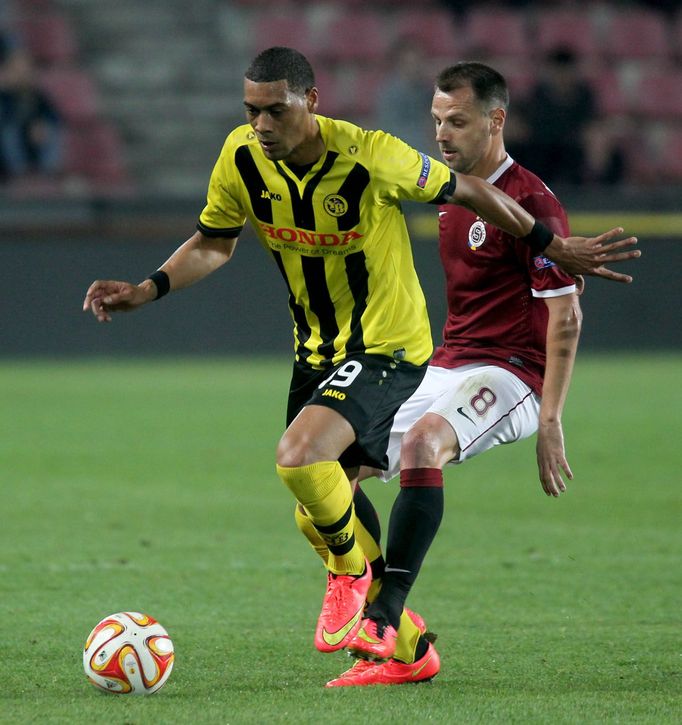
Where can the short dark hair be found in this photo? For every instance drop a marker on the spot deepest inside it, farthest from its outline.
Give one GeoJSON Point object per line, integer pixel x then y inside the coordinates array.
{"type": "Point", "coordinates": [489, 86]}
{"type": "Point", "coordinates": [282, 64]}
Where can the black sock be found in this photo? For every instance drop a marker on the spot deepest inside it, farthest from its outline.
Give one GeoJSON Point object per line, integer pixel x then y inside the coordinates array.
{"type": "Point", "coordinates": [415, 519]}
{"type": "Point", "coordinates": [367, 515]}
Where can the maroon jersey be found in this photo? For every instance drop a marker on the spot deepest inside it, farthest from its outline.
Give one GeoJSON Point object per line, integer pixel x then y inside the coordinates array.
{"type": "Point", "coordinates": [496, 285]}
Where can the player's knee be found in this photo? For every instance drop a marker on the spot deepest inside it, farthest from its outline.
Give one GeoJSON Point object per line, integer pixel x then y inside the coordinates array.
{"type": "Point", "coordinates": [293, 451]}
{"type": "Point", "coordinates": [425, 446]}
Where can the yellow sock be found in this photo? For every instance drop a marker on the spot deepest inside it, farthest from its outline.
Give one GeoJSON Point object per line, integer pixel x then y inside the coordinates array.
{"type": "Point", "coordinates": [305, 526]}
{"type": "Point", "coordinates": [372, 549]}
{"type": "Point", "coordinates": [406, 643]}
{"type": "Point", "coordinates": [324, 491]}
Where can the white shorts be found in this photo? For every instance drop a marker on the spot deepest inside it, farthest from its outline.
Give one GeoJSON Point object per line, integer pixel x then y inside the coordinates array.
{"type": "Point", "coordinates": [486, 406]}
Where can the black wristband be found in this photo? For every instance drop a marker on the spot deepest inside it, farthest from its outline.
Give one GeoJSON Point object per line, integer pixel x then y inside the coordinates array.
{"type": "Point", "coordinates": [539, 237]}
{"type": "Point", "coordinates": [160, 279]}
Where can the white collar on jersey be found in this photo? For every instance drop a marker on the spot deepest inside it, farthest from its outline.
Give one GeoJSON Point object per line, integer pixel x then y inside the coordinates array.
{"type": "Point", "coordinates": [500, 170]}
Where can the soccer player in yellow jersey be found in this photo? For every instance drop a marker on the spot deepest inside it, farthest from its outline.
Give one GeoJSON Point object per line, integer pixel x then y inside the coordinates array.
{"type": "Point", "coordinates": [324, 199]}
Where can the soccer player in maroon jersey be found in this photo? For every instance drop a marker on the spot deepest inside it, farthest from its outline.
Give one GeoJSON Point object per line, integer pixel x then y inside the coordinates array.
{"type": "Point", "coordinates": [501, 373]}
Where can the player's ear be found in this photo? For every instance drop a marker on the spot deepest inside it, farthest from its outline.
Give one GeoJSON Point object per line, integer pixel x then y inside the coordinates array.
{"type": "Point", "coordinates": [312, 98]}
{"type": "Point", "coordinates": [497, 118]}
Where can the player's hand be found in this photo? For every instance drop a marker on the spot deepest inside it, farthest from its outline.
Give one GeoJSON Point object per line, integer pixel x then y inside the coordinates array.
{"type": "Point", "coordinates": [106, 296]}
{"type": "Point", "coordinates": [588, 255]}
{"type": "Point", "coordinates": [552, 458]}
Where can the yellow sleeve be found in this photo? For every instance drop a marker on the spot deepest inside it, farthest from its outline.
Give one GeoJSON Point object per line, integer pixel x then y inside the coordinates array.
{"type": "Point", "coordinates": [406, 173]}
{"type": "Point", "coordinates": [223, 214]}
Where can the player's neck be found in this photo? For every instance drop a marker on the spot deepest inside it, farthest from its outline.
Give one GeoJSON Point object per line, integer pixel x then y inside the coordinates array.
{"type": "Point", "coordinates": [310, 149]}
{"type": "Point", "coordinates": [490, 162]}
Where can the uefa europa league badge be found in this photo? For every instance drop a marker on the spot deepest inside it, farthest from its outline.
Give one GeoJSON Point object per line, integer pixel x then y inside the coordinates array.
{"type": "Point", "coordinates": [476, 235]}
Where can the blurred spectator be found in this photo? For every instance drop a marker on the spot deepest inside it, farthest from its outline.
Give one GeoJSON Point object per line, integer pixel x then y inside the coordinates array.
{"type": "Point", "coordinates": [30, 127]}
{"type": "Point", "coordinates": [558, 113]}
{"type": "Point", "coordinates": [10, 54]}
{"type": "Point", "coordinates": [405, 97]}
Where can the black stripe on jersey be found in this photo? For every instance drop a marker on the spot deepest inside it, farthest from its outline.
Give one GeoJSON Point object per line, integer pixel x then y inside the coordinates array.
{"type": "Point", "coordinates": [302, 208]}
{"type": "Point", "coordinates": [358, 281]}
{"type": "Point", "coordinates": [321, 305]}
{"type": "Point", "coordinates": [298, 313]}
{"type": "Point", "coordinates": [254, 183]}
{"type": "Point", "coordinates": [230, 232]}
{"type": "Point", "coordinates": [446, 191]}
{"type": "Point", "coordinates": [351, 190]}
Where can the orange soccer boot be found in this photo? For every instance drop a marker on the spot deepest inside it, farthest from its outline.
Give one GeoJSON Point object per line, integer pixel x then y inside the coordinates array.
{"type": "Point", "coordinates": [342, 607]}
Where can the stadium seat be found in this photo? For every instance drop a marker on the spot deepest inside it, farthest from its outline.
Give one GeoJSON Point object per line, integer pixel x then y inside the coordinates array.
{"type": "Point", "coordinates": [434, 30]}
{"type": "Point", "coordinates": [332, 93]}
{"type": "Point", "coordinates": [521, 78]}
{"type": "Point", "coordinates": [608, 89]}
{"type": "Point", "coordinates": [95, 153]}
{"type": "Point", "coordinates": [571, 29]}
{"type": "Point", "coordinates": [640, 34]}
{"type": "Point", "coordinates": [670, 164]}
{"type": "Point", "coordinates": [349, 93]}
{"type": "Point", "coordinates": [497, 32]}
{"type": "Point", "coordinates": [360, 38]}
{"type": "Point", "coordinates": [48, 38]}
{"type": "Point", "coordinates": [676, 37]}
{"type": "Point", "coordinates": [366, 84]}
{"type": "Point", "coordinates": [286, 30]}
{"type": "Point", "coordinates": [659, 94]}
{"type": "Point", "coordinates": [645, 152]}
{"type": "Point", "coordinates": [73, 93]}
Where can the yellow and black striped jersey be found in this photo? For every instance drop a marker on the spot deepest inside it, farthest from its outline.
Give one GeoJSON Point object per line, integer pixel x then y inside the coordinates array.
{"type": "Point", "coordinates": [338, 236]}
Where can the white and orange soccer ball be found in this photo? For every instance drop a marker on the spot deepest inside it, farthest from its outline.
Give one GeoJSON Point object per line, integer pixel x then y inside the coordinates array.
{"type": "Point", "coordinates": [128, 653]}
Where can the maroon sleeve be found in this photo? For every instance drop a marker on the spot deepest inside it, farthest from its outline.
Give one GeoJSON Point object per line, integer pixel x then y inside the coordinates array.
{"type": "Point", "coordinates": [545, 275]}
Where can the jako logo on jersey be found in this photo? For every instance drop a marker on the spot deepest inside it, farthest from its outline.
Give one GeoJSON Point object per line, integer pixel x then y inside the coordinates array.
{"type": "Point", "coordinates": [335, 205]}
{"type": "Point", "coordinates": [313, 239]}
{"type": "Point", "coordinates": [542, 262]}
{"type": "Point", "coordinates": [476, 234]}
{"type": "Point", "coordinates": [265, 194]}
{"type": "Point", "coordinates": [426, 169]}
{"type": "Point", "coordinates": [331, 393]}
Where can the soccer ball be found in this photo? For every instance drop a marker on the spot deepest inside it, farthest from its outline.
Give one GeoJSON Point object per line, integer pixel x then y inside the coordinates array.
{"type": "Point", "coordinates": [128, 654]}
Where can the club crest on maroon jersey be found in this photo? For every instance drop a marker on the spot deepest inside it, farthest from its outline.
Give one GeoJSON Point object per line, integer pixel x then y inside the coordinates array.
{"type": "Point", "coordinates": [476, 235]}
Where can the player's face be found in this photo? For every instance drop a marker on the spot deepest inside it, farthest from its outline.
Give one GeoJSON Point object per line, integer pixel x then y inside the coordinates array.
{"type": "Point", "coordinates": [281, 119]}
{"type": "Point", "coordinates": [464, 130]}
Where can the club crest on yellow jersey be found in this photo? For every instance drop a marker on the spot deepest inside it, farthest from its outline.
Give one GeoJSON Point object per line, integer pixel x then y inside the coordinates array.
{"type": "Point", "coordinates": [335, 205]}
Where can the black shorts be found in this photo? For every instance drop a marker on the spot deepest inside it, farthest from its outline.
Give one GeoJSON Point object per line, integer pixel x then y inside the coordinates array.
{"type": "Point", "coordinates": [367, 391]}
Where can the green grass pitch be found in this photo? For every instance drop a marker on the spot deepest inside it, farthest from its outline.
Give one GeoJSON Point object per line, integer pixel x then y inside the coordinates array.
{"type": "Point", "coordinates": [150, 486]}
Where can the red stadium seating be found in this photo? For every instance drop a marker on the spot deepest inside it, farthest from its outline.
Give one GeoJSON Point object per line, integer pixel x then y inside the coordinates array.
{"type": "Point", "coordinates": [359, 38]}
{"type": "Point", "coordinates": [640, 34]}
{"type": "Point", "coordinates": [608, 90]}
{"type": "Point", "coordinates": [73, 93]}
{"type": "Point", "coordinates": [287, 30]}
{"type": "Point", "coordinates": [48, 38]}
{"type": "Point", "coordinates": [95, 153]}
{"type": "Point", "coordinates": [350, 94]}
{"type": "Point", "coordinates": [570, 29]}
{"type": "Point", "coordinates": [670, 164]}
{"type": "Point", "coordinates": [434, 30]}
{"type": "Point", "coordinates": [497, 32]}
{"type": "Point", "coordinates": [659, 94]}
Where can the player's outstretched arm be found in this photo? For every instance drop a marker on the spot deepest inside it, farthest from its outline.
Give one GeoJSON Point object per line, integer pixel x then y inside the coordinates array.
{"type": "Point", "coordinates": [195, 259]}
{"type": "Point", "coordinates": [575, 255]}
{"type": "Point", "coordinates": [589, 255]}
